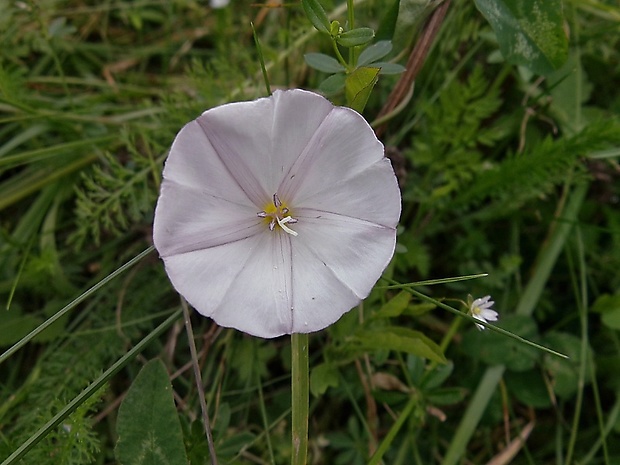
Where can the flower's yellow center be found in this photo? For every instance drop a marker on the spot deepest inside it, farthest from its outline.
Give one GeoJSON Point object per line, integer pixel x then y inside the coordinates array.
{"type": "Point", "coordinates": [277, 213]}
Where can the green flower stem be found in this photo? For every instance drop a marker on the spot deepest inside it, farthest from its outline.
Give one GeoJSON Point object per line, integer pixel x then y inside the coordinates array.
{"type": "Point", "coordinates": [300, 395]}
{"type": "Point", "coordinates": [351, 19]}
{"type": "Point", "coordinates": [339, 55]}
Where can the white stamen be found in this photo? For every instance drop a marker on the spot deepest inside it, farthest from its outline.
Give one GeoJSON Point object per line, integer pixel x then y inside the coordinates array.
{"type": "Point", "coordinates": [282, 222]}
{"type": "Point", "coordinates": [279, 217]}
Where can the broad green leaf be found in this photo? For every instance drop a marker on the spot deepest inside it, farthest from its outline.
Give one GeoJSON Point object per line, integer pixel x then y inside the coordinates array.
{"type": "Point", "coordinates": [355, 37]}
{"type": "Point", "coordinates": [316, 14]}
{"type": "Point", "coordinates": [374, 52]}
{"type": "Point", "coordinates": [148, 426]}
{"type": "Point", "coordinates": [530, 32]}
{"type": "Point", "coordinates": [333, 84]}
{"type": "Point", "coordinates": [322, 377]}
{"type": "Point", "coordinates": [323, 63]}
{"type": "Point", "coordinates": [395, 306]}
{"type": "Point", "coordinates": [388, 22]}
{"type": "Point", "coordinates": [358, 86]}
{"type": "Point", "coordinates": [402, 340]}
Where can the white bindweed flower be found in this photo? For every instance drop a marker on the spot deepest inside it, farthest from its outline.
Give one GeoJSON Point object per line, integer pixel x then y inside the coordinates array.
{"type": "Point", "coordinates": [481, 310]}
{"type": "Point", "coordinates": [278, 215]}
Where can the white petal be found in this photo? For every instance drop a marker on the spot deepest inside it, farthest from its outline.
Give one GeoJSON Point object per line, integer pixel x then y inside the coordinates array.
{"type": "Point", "coordinates": [244, 285]}
{"type": "Point", "coordinates": [371, 195]}
{"type": "Point", "coordinates": [264, 137]}
{"type": "Point", "coordinates": [489, 315]}
{"type": "Point", "coordinates": [480, 302]}
{"type": "Point", "coordinates": [187, 219]}
{"type": "Point", "coordinates": [319, 297]}
{"type": "Point", "coordinates": [353, 251]}
{"type": "Point", "coordinates": [259, 299]}
{"type": "Point", "coordinates": [194, 163]}
{"type": "Point", "coordinates": [342, 147]}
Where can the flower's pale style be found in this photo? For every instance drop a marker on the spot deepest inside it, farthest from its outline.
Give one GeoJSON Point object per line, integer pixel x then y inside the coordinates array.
{"type": "Point", "coordinates": [481, 310]}
{"type": "Point", "coordinates": [278, 215]}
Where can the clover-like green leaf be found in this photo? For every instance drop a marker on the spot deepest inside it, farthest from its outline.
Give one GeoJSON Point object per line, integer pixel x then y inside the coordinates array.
{"type": "Point", "coordinates": [374, 52]}
{"type": "Point", "coordinates": [316, 14]}
{"type": "Point", "coordinates": [355, 37]}
{"type": "Point", "coordinates": [324, 63]}
{"type": "Point", "coordinates": [389, 68]}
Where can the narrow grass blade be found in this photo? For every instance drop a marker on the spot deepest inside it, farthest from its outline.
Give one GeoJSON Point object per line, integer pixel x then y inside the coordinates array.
{"type": "Point", "coordinates": [73, 303]}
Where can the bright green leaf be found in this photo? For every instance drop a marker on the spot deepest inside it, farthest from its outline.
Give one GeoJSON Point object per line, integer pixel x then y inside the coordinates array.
{"type": "Point", "coordinates": [355, 37]}
{"type": "Point", "coordinates": [148, 426]}
{"type": "Point", "coordinates": [316, 14]}
{"type": "Point", "coordinates": [358, 86]}
{"type": "Point", "coordinates": [530, 32]}
{"type": "Point", "coordinates": [323, 63]}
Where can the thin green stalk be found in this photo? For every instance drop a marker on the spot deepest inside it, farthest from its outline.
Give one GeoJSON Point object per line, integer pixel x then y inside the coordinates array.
{"type": "Point", "coordinates": [263, 412]}
{"type": "Point", "coordinates": [471, 319]}
{"type": "Point", "coordinates": [198, 378]}
{"type": "Point", "coordinates": [23, 341]}
{"type": "Point", "coordinates": [90, 390]}
{"type": "Point", "coordinates": [545, 262]}
{"type": "Point", "coordinates": [300, 396]}
{"type": "Point", "coordinates": [400, 421]}
{"type": "Point", "coordinates": [351, 20]}
{"type": "Point", "coordinates": [261, 59]}
{"type": "Point", "coordinates": [581, 291]}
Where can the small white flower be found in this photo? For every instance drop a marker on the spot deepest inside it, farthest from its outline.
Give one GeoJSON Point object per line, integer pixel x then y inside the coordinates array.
{"type": "Point", "coordinates": [215, 4]}
{"type": "Point", "coordinates": [276, 216]}
{"type": "Point", "coordinates": [481, 310]}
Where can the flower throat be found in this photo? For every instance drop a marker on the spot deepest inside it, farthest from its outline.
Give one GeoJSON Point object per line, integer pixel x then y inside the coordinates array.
{"type": "Point", "coordinates": [278, 214]}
